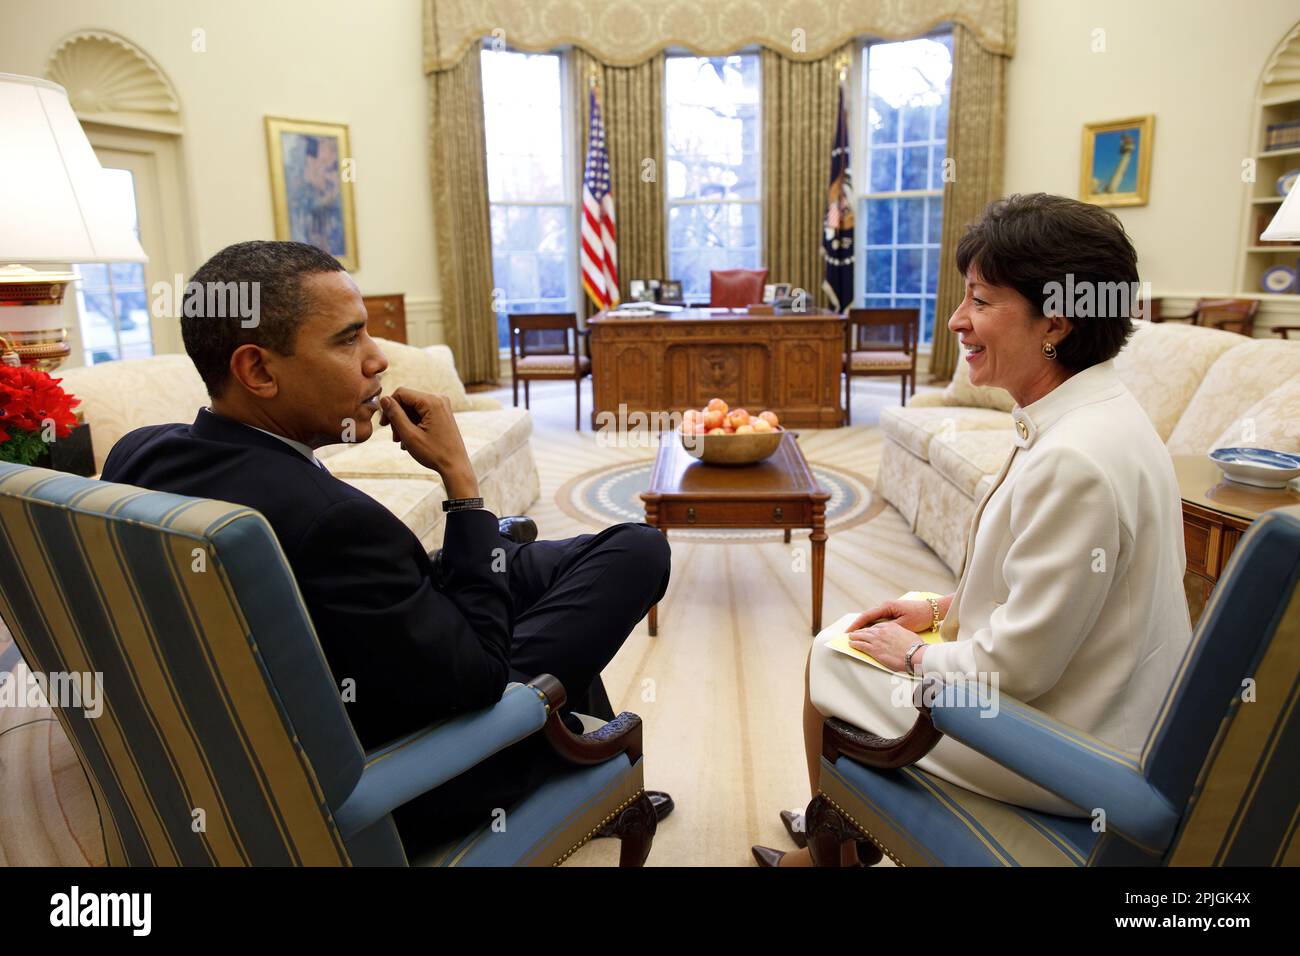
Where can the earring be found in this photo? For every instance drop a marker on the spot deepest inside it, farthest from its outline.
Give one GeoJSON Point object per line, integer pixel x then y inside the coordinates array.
{"type": "Point", "coordinates": [1049, 350]}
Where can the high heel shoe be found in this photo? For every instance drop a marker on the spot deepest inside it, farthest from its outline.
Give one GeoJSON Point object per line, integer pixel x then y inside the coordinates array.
{"type": "Point", "coordinates": [795, 827]}
{"type": "Point", "coordinates": [766, 856]}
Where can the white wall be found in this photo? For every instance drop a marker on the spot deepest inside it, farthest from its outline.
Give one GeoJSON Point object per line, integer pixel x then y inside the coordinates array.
{"type": "Point", "coordinates": [1196, 65]}
{"type": "Point", "coordinates": [331, 60]}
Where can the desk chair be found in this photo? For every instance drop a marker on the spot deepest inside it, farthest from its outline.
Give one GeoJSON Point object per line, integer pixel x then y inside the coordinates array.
{"type": "Point", "coordinates": [218, 704]}
{"type": "Point", "coordinates": [1217, 783]}
{"type": "Point", "coordinates": [548, 361]}
{"type": "Point", "coordinates": [868, 358]}
{"type": "Point", "coordinates": [736, 288]}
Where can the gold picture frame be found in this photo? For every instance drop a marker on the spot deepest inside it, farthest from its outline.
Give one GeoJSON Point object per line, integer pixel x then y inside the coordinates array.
{"type": "Point", "coordinates": [311, 186]}
{"type": "Point", "coordinates": [1110, 174]}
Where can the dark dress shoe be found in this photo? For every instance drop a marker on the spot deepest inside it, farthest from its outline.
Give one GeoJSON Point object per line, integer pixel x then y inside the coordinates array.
{"type": "Point", "coordinates": [662, 803]}
{"type": "Point", "coordinates": [794, 826]}
{"type": "Point", "coordinates": [518, 528]}
{"type": "Point", "coordinates": [766, 856]}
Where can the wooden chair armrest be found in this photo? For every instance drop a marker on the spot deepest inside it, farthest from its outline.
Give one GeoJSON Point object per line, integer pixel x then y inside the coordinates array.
{"type": "Point", "coordinates": [880, 753]}
{"type": "Point", "coordinates": [621, 735]}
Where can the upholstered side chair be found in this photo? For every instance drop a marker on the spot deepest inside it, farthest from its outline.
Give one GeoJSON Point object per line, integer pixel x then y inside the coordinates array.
{"type": "Point", "coordinates": [217, 698]}
{"type": "Point", "coordinates": [1217, 783]}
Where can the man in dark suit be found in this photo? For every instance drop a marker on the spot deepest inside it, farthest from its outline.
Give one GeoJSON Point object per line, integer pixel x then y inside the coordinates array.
{"type": "Point", "coordinates": [412, 640]}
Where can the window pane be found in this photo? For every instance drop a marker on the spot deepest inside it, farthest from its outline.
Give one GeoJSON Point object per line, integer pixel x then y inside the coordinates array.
{"type": "Point", "coordinates": [880, 270]}
{"type": "Point", "coordinates": [907, 96]}
{"type": "Point", "coordinates": [884, 170]}
{"type": "Point", "coordinates": [911, 221]}
{"type": "Point", "coordinates": [880, 222]}
{"type": "Point", "coordinates": [111, 299]}
{"type": "Point", "coordinates": [533, 250]}
{"type": "Point", "coordinates": [713, 154]}
{"type": "Point", "coordinates": [908, 278]}
{"type": "Point", "coordinates": [916, 167]}
{"type": "Point", "coordinates": [916, 123]}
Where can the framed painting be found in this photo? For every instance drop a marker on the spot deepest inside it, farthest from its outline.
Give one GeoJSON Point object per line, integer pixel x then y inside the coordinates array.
{"type": "Point", "coordinates": [1115, 167]}
{"type": "Point", "coordinates": [311, 186]}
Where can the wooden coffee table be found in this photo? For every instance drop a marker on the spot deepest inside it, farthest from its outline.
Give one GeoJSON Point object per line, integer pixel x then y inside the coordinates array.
{"type": "Point", "coordinates": [780, 492]}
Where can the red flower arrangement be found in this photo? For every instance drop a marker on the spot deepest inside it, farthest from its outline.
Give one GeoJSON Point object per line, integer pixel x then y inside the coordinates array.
{"type": "Point", "coordinates": [34, 410]}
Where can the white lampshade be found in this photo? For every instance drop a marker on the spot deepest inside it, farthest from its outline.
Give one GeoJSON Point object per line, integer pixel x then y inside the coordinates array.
{"type": "Point", "coordinates": [53, 204]}
{"type": "Point", "coordinates": [1286, 224]}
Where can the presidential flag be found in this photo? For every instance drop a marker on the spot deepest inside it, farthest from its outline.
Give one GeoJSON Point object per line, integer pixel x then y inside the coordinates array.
{"type": "Point", "coordinates": [837, 236]}
{"type": "Point", "coordinates": [599, 246]}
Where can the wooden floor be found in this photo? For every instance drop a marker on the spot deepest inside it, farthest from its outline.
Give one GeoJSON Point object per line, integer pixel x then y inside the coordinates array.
{"type": "Point", "coordinates": [720, 688]}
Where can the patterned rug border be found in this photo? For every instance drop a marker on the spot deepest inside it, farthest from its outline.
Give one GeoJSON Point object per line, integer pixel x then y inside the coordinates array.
{"type": "Point", "coordinates": [565, 497]}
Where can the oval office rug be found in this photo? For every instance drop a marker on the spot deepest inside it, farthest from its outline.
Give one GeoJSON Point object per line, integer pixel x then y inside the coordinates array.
{"type": "Point", "coordinates": [611, 494]}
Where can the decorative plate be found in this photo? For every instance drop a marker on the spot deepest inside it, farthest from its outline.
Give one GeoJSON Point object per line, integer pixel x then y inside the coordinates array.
{"type": "Point", "coordinates": [1278, 279]}
{"type": "Point", "coordinates": [1286, 181]}
{"type": "Point", "coordinates": [1257, 466]}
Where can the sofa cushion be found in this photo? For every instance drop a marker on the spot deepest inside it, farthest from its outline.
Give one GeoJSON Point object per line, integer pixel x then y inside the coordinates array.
{"type": "Point", "coordinates": [960, 391]}
{"type": "Point", "coordinates": [431, 369]}
{"type": "Point", "coordinates": [1162, 365]}
{"type": "Point", "coordinates": [964, 458]}
{"type": "Point", "coordinates": [119, 397]}
{"type": "Point", "coordinates": [913, 427]}
{"type": "Point", "coordinates": [490, 436]}
{"type": "Point", "coordinates": [1242, 376]}
{"type": "Point", "coordinates": [1272, 422]}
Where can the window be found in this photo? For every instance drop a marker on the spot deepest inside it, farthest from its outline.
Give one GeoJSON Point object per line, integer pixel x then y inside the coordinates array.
{"type": "Point", "coordinates": [529, 185]}
{"type": "Point", "coordinates": [714, 171]}
{"type": "Point", "coordinates": [900, 211]}
{"type": "Point", "coordinates": [112, 300]}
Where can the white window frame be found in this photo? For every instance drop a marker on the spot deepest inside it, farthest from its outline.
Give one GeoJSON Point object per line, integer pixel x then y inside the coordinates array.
{"type": "Point", "coordinates": [570, 175]}
{"type": "Point", "coordinates": [859, 96]}
{"type": "Point", "coordinates": [669, 202]}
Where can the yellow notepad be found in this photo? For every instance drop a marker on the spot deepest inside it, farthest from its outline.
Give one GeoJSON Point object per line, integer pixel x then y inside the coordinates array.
{"type": "Point", "coordinates": [841, 643]}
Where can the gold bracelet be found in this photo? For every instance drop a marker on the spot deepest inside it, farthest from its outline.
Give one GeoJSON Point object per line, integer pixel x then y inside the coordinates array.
{"type": "Point", "coordinates": [934, 609]}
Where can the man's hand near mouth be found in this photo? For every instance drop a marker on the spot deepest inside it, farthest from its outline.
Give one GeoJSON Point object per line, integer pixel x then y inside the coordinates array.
{"type": "Point", "coordinates": [424, 425]}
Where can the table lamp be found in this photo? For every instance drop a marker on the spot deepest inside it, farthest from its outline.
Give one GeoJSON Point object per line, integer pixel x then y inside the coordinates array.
{"type": "Point", "coordinates": [1286, 224]}
{"type": "Point", "coordinates": [54, 209]}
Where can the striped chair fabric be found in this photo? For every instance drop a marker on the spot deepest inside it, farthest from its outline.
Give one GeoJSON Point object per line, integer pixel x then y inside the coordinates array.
{"type": "Point", "coordinates": [223, 739]}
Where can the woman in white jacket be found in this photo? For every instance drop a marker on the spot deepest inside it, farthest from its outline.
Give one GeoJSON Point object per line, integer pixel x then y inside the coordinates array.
{"type": "Point", "coordinates": [1071, 594]}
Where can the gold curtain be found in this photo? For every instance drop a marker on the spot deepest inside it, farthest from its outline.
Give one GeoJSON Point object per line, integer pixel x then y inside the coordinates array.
{"type": "Point", "coordinates": [628, 32]}
{"type": "Point", "coordinates": [632, 103]}
{"type": "Point", "coordinates": [976, 144]}
{"type": "Point", "coordinates": [458, 163]}
{"type": "Point", "coordinates": [799, 104]}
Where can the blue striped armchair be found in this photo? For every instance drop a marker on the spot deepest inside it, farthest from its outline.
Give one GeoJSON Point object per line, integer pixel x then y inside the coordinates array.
{"type": "Point", "coordinates": [1217, 783]}
{"type": "Point", "coordinates": [223, 739]}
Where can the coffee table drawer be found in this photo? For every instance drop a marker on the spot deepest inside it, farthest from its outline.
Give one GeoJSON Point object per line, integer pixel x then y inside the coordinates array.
{"type": "Point", "coordinates": [735, 514]}
{"type": "Point", "coordinates": [1201, 539]}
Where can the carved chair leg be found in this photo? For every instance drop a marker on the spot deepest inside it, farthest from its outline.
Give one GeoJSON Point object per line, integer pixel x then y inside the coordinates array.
{"type": "Point", "coordinates": [635, 829]}
{"type": "Point", "coordinates": [827, 830]}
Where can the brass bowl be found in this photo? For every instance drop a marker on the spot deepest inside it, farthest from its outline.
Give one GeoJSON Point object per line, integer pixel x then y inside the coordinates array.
{"type": "Point", "coordinates": [732, 449]}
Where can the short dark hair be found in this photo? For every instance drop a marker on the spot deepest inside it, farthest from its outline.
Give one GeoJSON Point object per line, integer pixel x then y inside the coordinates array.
{"type": "Point", "coordinates": [1032, 243]}
{"type": "Point", "coordinates": [212, 331]}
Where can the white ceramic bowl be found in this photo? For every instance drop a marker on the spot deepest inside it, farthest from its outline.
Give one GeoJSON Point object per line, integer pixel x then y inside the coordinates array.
{"type": "Point", "coordinates": [1257, 466]}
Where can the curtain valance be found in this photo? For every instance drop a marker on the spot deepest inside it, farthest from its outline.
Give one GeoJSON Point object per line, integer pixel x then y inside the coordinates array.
{"type": "Point", "coordinates": [628, 32]}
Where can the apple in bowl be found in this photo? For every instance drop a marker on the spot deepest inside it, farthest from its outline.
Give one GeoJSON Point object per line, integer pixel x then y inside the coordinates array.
{"type": "Point", "coordinates": [719, 435]}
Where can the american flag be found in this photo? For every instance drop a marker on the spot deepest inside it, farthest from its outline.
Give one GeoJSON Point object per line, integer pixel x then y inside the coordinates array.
{"type": "Point", "coordinates": [599, 248]}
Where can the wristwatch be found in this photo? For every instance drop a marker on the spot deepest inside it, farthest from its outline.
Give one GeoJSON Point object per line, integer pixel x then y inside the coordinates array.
{"type": "Point", "coordinates": [462, 504]}
{"type": "Point", "coordinates": [907, 658]}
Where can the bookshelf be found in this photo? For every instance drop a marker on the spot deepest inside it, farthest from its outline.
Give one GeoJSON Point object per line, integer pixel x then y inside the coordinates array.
{"type": "Point", "coordinates": [1278, 101]}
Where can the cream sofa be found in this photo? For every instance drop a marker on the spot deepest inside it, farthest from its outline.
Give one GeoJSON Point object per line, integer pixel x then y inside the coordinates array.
{"type": "Point", "coordinates": [117, 397]}
{"type": "Point", "coordinates": [1202, 388]}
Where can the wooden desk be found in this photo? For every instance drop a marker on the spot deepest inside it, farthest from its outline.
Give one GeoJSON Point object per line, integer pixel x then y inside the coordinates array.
{"type": "Point", "coordinates": [779, 492]}
{"type": "Point", "coordinates": [789, 362]}
{"type": "Point", "coordinates": [1216, 513]}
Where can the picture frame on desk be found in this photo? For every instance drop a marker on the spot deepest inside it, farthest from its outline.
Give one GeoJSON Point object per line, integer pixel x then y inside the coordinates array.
{"type": "Point", "coordinates": [670, 292]}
